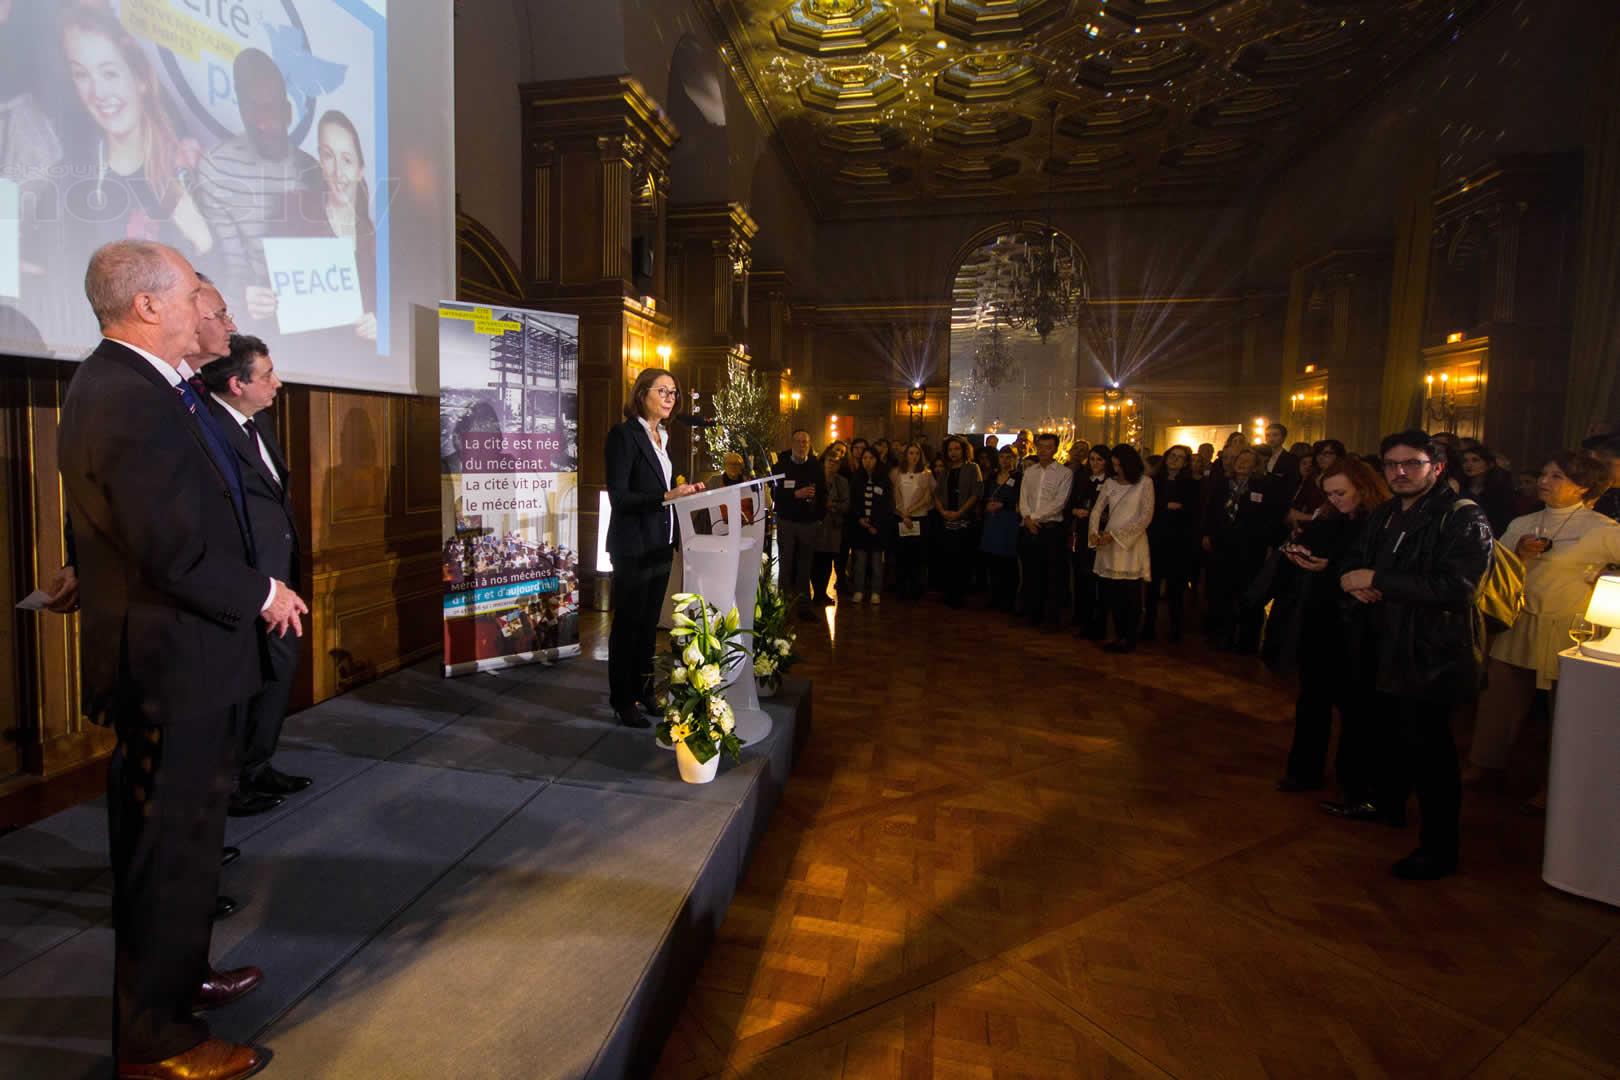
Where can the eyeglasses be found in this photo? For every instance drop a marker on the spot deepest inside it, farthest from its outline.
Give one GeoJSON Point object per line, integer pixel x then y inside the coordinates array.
{"type": "Point", "coordinates": [1405, 465]}
{"type": "Point", "coordinates": [666, 392]}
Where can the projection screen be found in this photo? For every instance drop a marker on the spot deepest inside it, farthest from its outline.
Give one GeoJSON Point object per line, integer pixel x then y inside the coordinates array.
{"type": "Point", "coordinates": [299, 152]}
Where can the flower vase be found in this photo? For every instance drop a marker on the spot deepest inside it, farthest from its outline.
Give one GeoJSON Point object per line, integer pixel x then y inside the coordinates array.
{"type": "Point", "coordinates": [692, 770]}
{"type": "Point", "coordinates": [768, 685]}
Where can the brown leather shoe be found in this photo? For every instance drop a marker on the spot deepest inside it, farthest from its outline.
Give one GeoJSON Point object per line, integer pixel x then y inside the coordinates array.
{"type": "Point", "coordinates": [215, 1059]}
{"type": "Point", "coordinates": [223, 987]}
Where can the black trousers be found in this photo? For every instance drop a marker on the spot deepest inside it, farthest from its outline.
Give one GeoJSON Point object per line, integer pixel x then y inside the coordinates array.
{"type": "Point", "coordinates": [1090, 609]}
{"type": "Point", "coordinates": [1322, 688]}
{"type": "Point", "coordinates": [266, 711]}
{"type": "Point", "coordinates": [821, 575]}
{"type": "Point", "coordinates": [1042, 556]}
{"type": "Point", "coordinates": [1229, 623]}
{"type": "Point", "coordinates": [1003, 582]}
{"type": "Point", "coordinates": [639, 583]}
{"type": "Point", "coordinates": [1125, 604]}
{"type": "Point", "coordinates": [167, 787]}
{"type": "Point", "coordinates": [911, 570]}
{"type": "Point", "coordinates": [1423, 757]}
{"type": "Point", "coordinates": [956, 560]}
{"type": "Point", "coordinates": [1174, 592]}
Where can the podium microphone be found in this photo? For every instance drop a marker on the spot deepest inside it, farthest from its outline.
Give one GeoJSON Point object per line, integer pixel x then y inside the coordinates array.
{"type": "Point", "coordinates": [692, 420]}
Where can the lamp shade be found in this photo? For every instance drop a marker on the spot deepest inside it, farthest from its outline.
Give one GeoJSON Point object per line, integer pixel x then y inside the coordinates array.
{"type": "Point", "coordinates": [1604, 610]}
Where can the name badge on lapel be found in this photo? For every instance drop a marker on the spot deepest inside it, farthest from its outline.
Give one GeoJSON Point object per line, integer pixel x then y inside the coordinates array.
{"type": "Point", "coordinates": [1255, 496]}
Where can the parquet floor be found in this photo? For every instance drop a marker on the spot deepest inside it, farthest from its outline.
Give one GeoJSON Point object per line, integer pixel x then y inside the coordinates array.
{"type": "Point", "coordinates": [1010, 855]}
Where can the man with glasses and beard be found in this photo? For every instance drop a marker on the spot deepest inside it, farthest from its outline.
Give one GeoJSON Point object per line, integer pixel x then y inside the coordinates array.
{"type": "Point", "coordinates": [1418, 635]}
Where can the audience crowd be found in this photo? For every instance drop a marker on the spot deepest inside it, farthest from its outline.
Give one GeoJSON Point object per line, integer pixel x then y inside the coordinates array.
{"type": "Point", "coordinates": [1369, 578]}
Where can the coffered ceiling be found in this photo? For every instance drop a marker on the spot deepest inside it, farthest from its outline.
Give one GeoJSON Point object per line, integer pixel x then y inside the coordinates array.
{"type": "Point", "coordinates": [885, 106]}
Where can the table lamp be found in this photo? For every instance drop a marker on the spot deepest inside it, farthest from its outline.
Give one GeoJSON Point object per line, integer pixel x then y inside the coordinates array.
{"type": "Point", "coordinates": [1604, 610]}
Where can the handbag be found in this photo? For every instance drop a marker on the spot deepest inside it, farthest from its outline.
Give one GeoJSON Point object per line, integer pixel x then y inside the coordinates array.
{"type": "Point", "coordinates": [1500, 597]}
{"type": "Point", "coordinates": [1501, 591]}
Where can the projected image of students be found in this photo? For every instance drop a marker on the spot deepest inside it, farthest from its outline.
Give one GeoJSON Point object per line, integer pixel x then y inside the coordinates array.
{"type": "Point", "coordinates": [131, 181]}
{"type": "Point", "coordinates": [246, 182]}
{"type": "Point", "coordinates": [342, 208]}
{"type": "Point", "coordinates": [29, 151]}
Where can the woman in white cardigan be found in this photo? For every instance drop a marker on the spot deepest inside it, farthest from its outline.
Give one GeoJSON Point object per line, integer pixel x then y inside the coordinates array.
{"type": "Point", "coordinates": [1119, 523]}
{"type": "Point", "coordinates": [1563, 546]}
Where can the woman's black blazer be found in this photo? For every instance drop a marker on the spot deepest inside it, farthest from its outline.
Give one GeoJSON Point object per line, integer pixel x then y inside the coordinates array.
{"type": "Point", "coordinates": [640, 524]}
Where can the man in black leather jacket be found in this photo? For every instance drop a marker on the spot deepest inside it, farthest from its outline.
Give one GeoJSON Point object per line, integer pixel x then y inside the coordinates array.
{"type": "Point", "coordinates": [1413, 581]}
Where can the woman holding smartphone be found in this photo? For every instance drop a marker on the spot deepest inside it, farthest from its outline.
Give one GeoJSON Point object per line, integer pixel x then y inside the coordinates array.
{"type": "Point", "coordinates": [1308, 632]}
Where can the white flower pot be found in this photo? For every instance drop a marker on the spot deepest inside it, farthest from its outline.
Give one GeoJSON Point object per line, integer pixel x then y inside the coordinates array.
{"type": "Point", "coordinates": [767, 686]}
{"type": "Point", "coordinates": [692, 771]}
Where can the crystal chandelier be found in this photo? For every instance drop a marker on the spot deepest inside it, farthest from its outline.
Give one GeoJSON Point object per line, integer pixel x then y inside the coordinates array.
{"type": "Point", "coordinates": [1047, 287]}
{"type": "Point", "coordinates": [993, 363]}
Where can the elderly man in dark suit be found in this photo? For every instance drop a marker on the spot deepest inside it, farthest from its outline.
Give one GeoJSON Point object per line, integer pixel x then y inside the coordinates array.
{"type": "Point", "coordinates": [169, 653]}
{"type": "Point", "coordinates": [241, 385]}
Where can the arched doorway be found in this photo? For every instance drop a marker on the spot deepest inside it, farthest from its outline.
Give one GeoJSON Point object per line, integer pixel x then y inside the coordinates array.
{"type": "Point", "coordinates": [1003, 375]}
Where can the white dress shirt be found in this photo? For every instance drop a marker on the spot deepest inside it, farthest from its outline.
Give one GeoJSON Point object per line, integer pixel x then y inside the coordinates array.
{"type": "Point", "coordinates": [241, 422]}
{"type": "Point", "coordinates": [174, 376]}
{"type": "Point", "coordinates": [1045, 494]}
{"type": "Point", "coordinates": [659, 441]}
{"type": "Point", "coordinates": [171, 374]}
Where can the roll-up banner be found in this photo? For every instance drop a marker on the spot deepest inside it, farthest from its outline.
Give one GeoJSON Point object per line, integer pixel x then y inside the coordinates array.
{"type": "Point", "coordinates": [509, 446]}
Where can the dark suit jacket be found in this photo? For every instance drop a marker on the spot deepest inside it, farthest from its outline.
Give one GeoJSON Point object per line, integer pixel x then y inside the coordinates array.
{"type": "Point", "coordinates": [270, 516]}
{"type": "Point", "coordinates": [635, 484]}
{"type": "Point", "coordinates": [168, 599]}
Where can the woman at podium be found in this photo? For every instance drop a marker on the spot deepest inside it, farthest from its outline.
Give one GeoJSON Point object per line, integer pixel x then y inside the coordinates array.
{"type": "Point", "coordinates": [640, 539]}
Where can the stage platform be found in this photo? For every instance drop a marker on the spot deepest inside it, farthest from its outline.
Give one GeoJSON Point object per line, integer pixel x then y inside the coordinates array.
{"type": "Point", "coordinates": [489, 878]}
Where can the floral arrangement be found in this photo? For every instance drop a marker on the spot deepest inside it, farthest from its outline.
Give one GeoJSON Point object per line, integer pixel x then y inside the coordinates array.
{"type": "Point", "coordinates": [703, 644]}
{"type": "Point", "coordinates": [774, 636]}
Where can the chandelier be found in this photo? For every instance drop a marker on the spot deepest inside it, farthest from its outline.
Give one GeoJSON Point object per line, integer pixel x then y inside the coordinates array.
{"type": "Point", "coordinates": [993, 363]}
{"type": "Point", "coordinates": [1047, 288]}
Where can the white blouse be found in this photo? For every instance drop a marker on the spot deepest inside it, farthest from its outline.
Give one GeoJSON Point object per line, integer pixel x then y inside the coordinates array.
{"type": "Point", "coordinates": [660, 442]}
{"type": "Point", "coordinates": [1129, 510]}
{"type": "Point", "coordinates": [913, 493]}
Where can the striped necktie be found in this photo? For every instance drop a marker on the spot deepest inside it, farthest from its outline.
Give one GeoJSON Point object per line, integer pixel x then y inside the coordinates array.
{"type": "Point", "coordinates": [214, 440]}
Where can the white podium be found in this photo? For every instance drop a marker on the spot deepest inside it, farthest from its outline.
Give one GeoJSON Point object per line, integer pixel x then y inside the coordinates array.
{"type": "Point", "coordinates": [1582, 853]}
{"type": "Point", "coordinates": [722, 544]}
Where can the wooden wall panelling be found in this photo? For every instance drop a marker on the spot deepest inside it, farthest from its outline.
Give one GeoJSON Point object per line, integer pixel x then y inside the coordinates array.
{"type": "Point", "coordinates": [65, 738]}
{"type": "Point", "coordinates": [46, 733]}
{"type": "Point", "coordinates": [376, 580]}
{"type": "Point", "coordinates": [15, 716]}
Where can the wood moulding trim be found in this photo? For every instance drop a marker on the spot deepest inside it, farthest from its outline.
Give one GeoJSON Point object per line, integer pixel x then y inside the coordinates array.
{"type": "Point", "coordinates": [336, 571]}
{"type": "Point", "coordinates": [475, 241]}
{"type": "Point", "coordinates": [624, 92]}
{"type": "Point", "coordinates": [542, 222]}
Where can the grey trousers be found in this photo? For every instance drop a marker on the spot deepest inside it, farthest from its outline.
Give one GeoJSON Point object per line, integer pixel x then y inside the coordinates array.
{"type": "Point", "coordinates": [797, 540]}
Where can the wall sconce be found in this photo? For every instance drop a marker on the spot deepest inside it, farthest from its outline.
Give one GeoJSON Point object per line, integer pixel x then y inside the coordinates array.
{"type": "Point", "coordinates": [1310, 369]}
{"type": "Point", "coordinates": [1440, 408]}
{"type": "Point", "coordinates": [917, 405]}
{"type": "Point", "coordinates": [664, 352]}
{"type": "Point", "coordinates": [1454, 337]}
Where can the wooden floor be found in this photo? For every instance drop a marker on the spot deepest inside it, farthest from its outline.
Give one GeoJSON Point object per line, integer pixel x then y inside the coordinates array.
{"type": "Point", "coordinates": [1007, 854]}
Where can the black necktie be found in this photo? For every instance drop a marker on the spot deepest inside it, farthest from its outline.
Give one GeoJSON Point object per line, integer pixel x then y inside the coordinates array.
{"type": "Point", "coordinates": [258, 447]}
